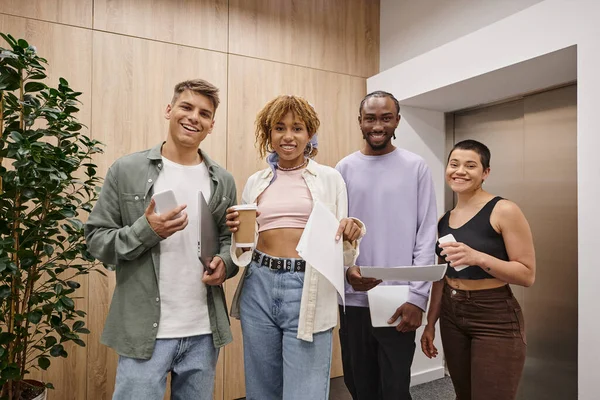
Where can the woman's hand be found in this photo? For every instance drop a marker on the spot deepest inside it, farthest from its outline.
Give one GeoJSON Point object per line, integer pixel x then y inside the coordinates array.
{"type": "Point", "coordinates": [349, 229]}
{"type": "Point", "coordinates": [232, 219]}
{"type": "Point", "coordinates": [427, 345]}
{"type": "Point", "coordinates": [459, 254]}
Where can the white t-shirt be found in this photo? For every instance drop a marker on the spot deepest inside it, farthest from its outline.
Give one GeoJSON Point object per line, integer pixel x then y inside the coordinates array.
{"type": "Point", "coordinates": [183, 308]}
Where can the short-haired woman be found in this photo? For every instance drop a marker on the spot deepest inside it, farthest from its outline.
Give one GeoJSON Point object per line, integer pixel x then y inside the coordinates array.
{"type": "Point", "coordinates": [481, 322]}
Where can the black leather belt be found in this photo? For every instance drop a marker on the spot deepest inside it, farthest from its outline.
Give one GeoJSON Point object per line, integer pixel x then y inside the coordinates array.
{"type": "Point", "coordinates": [284, 264]}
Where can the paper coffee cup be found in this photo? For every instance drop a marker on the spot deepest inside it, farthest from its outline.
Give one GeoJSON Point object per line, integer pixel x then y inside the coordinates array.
{"type": "Point", "coordinates": [244, 236]}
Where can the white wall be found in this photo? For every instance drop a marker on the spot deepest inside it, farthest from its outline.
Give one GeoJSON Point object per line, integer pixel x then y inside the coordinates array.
{"type": "Point", "coordinates": [412, 27]}
{"type": "Point", "coordinates": [548, 26]}
{"type": "Point", "coordinates": [423, 132]}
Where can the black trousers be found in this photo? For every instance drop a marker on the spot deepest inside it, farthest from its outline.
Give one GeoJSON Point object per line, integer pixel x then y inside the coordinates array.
{"type": "Point", "coordinates": [376, 361]}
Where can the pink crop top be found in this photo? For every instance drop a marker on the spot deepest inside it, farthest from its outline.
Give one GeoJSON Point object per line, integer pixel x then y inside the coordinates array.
{"type": "Point", "coordinates": [286, 203]}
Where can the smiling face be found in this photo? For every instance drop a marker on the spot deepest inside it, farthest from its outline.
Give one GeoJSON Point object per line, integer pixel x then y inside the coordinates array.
{"type": "Point", "coordinates": [191, 119]}
{"type": "Point", "coordinates": [465, 172]}
{"type": "Point", "coordinates": [289, 138]}
{"type": "Point", "coordinates": [378, 121]}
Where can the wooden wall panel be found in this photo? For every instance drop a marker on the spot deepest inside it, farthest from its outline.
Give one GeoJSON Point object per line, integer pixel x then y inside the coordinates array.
{"type": "Point", "coordinates": [334, 35]}
{"type": "Point", "coordinates": [132, 83]}
{"type": "Point", "coordinates": [336, 98]}
{"type": "Point", "coordinates": [70, 12]}
{"type": "Point", "coordinates": [55, 43]}
{"type": "Point", "coordinates": [197, 23]}
{"type": "Point", "coordinates": [126, 67]}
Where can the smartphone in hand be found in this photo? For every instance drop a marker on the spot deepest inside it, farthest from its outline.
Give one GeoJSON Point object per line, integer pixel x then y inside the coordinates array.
{"type": "Point", "coordinates": [165, 201]}
{"type": "Point", "coordinates": [449, 238]}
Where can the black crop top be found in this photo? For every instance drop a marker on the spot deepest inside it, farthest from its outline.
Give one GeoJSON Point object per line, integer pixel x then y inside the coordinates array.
{"type": "Point", "coordinates": [478, 234]}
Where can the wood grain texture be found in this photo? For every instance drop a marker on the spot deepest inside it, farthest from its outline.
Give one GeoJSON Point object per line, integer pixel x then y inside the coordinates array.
{"type": "Point", "coordinates": [54, 42]}
{"type": "Point", "coordinates": [70, 12]}
{"type": "Point", "coordinates": [335, 35]}
{"type": "Point", "coordinates": [197, 23]}
{"type": "Point", "coordinates": [133, 81]}
{"type": "Point", "coordinates": [126, 67]}
{"type": "Point", "coordinates": [336, 98]}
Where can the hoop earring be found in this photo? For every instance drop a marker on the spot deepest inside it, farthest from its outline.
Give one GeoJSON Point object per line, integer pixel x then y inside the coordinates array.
{"type": "Point", "coordinates": [308, 149]}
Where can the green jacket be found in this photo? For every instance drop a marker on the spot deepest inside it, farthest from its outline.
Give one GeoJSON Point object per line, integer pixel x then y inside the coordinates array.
{"type": "Point", "coordinates": [118, 234]}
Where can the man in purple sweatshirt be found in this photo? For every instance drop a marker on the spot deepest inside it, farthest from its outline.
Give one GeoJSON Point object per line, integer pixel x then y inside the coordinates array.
{"type": "Point", "coordinates": [391, 191]}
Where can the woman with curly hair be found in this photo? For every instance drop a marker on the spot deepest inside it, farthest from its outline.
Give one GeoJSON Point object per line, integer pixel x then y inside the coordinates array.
{"type": "Point", "coordinates": [287, 308]}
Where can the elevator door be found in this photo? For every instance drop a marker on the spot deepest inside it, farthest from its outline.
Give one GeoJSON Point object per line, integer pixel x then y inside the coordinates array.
{"type": "Point", "coordinates": [533, 142]}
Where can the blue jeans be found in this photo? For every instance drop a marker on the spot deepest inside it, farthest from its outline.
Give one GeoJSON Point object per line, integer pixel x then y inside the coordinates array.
{"type": "Point", "coordinates": [278, 366]}
{"type": "Point", "coordinates": [191, 360]}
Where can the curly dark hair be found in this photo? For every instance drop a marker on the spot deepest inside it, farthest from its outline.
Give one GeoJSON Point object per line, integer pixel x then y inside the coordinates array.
{"type": "Point", "coordinates": [274, 111]}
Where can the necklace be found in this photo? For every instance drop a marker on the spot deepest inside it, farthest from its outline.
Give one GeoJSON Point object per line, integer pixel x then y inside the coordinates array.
{"type": "Point", "coordinates": [292, 168]}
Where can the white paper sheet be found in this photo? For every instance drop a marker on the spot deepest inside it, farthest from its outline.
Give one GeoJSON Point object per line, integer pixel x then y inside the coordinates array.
{"type": "Point", "coordinates": [318, 247]}
{"type": "Point", "coordinates": [421, 273]}
{"type": "Point", "coordinates": [383, 302]}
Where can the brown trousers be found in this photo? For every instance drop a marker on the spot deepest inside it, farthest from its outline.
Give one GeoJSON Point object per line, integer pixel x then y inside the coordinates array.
{"type": "Point", "coordinates": [483, 335]}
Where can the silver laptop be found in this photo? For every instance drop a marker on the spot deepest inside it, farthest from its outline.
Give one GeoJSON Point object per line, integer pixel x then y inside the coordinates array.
{"type": "Point", "coordinates": [208, 234]}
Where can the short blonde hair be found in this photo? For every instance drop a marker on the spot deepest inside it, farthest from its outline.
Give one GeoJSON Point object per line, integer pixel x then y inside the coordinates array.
{"type": "Point", "coordinates": [199, 86]}
{"type": "Point", "coordinates": [274, 111]}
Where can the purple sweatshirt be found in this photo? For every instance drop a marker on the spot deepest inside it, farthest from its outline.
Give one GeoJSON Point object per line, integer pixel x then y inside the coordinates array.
{"type": "Point", "coordinates": [393, 196]}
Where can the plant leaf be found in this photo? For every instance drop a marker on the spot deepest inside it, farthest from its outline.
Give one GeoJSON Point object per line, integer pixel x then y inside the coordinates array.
{"type": "Point", "coordinates": [50, 341]}
{"type": "Point", "coordinates": [78, 325]}
{"type": "Point", "coordinates": [44, 362]}
{"type": "Point", "coordinates": [69, 303]}
{"type": "Point", "coordinates": [56, 350]}
{"type": "Point", "coordinates": [11, 373]}
{"type": "Point", "coordinates": [4, 291]}
{"type": "Point", "coordinates": [35, 316]}
{"type": "Point", "coordinates": [58, 288]}
{"type": "Point", "coordinates": [48, 249]}
{"type": "Point", "coordinates": [35, 86]}
{"type": "Point", "coordinates": [73, 284]}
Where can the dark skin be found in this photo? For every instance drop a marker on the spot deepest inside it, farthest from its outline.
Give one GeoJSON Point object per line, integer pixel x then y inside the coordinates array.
{"type": "Point", "coordinates": [412, 315]}
{"type": "Point", "coordinates": [378, 121]}
{"type": "Point", "coordinates": [289, 138]}
{"type": "Point", "coordinates": [348, 230]}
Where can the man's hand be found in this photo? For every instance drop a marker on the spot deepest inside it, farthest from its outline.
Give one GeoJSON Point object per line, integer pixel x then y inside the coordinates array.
{"type": "Point", "coordinates": [349, 229]}
{"type": "Point", "coordinates": [217, 273]}
{"type": "Point", "coordinates": [411, 315]}
{"type": "Point", "coordinates": [358, 283]}
{"type": "Point", "coordinates": [166, 224]}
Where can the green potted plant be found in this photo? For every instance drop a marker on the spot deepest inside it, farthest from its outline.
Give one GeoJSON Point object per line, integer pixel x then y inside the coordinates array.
{"type": "Point", "coordinates": [47, 182]}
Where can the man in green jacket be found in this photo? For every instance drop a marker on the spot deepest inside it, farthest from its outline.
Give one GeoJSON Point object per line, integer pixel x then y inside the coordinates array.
{"type": "Point", "coordinates": [168, 314]}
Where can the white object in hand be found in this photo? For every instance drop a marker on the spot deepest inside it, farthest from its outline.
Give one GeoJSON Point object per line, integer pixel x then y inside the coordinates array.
{"type": "Point", "coordinates": [449, 238]}
{"type": "Point", "coordinates": [165, 201]}
{"type": "Point", "coordinates": [383, 302]}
